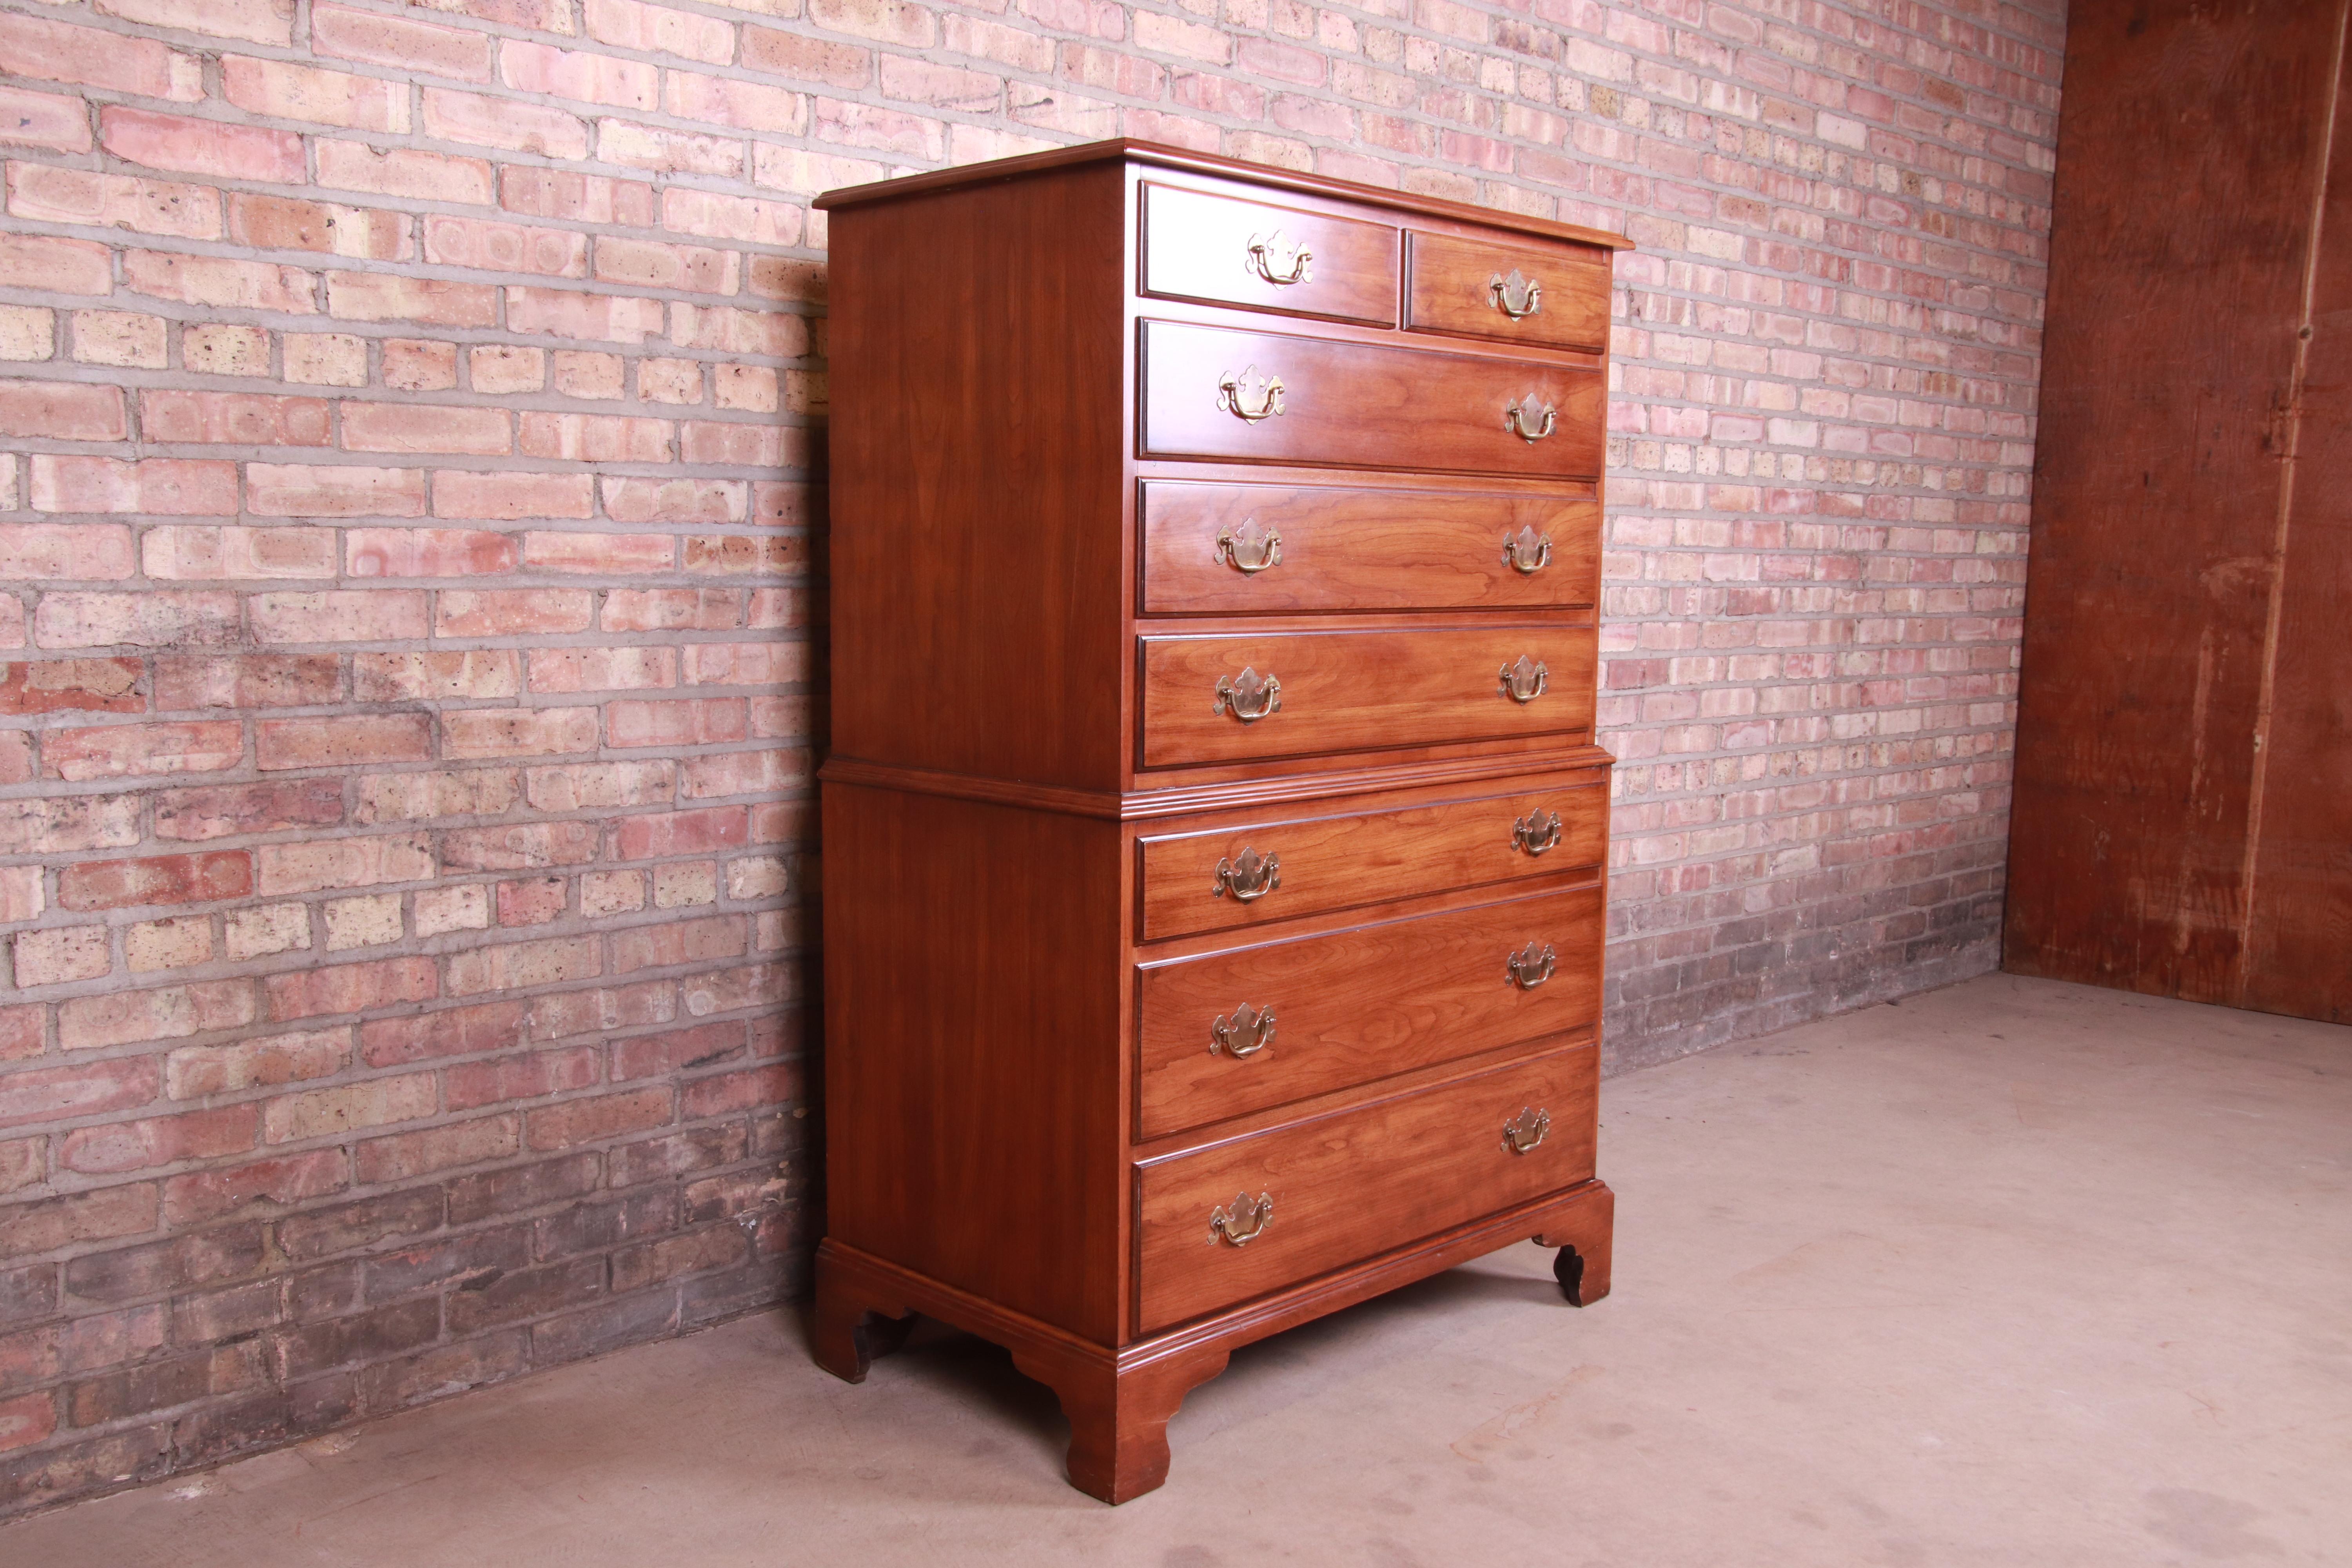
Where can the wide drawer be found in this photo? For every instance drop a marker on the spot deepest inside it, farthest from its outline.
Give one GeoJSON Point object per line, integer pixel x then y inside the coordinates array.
{"type": "Point", "coordinates": [1236, 549]}
{"type": "Point", "coordinates": [1262, 871]}
{"type": "Point", "coordinates": [1354, 1006]}
{"type": "Point", "coordinates": [1348, 691]}
{"type": "Point", "coordinates": [1200, 246]}
{"type": "Point", "coordinates": [1210, 392]}
{"type": "Point", "coordinates": [1347, 1187]}
{"type": "Point", "coordinates": [1473, 289]}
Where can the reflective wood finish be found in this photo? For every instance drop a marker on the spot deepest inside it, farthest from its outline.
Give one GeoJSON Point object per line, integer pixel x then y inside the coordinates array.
{"type": "Point", "coordinates": [1354, 549]}
{"type": "Point", "coordinates": [1345, 860]}
{"type": "Point", "coordinates": [1038, 547]}
{"type": "Point", "coordinates": [2182, 822]}
{"type": "Point", "coordinates": [1358, 1006]}
{"type": "Point", "coordinates": [1356, 691]}
{"type": "Point", "coordinates": [1451, 288]}
{"type": "Point", "coordinates": [1356, 1181]}
{"type": "Point", "coordinates": [1364, 406]}
{"type": "Point", "coordinates": [1198, 246]}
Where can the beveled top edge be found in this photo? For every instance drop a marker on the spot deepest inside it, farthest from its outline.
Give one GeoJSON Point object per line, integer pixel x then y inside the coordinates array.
{"type": "Point", "coordinates": [1127, 150]}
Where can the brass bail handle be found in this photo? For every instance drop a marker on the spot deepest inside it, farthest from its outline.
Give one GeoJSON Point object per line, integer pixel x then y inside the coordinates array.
{"type": "Point", "coordinates": [1278, 261]}
{"type": "Point", "coordinates": [1244, 1223]}
{"type": "Point", "coordinates": [1531, 965]}
{"type": "Point", "coordinates": [1526, 551]}
{"type": "Point", "coordinates": [1522, 1133]}
{"type": "Point", "coordinates": [1528, 420]}
{"type": "Point", "coordinates": [1524, 683]}
{"type": "Point", "coordinates": [1248, 877]}
{"type": "Point", "coordinates": [1246, 696]}
{"type": "Point", "coordinates": [1536, 833]}
{"type": "Point", "coordinates": [1246, 1032]}
{"type": "Point", "coordinates": [1517, 296]}
{"type": "Point", "coordinates": [1251, 550]}
{"type": "Point", "coordinates": [1249, 396]}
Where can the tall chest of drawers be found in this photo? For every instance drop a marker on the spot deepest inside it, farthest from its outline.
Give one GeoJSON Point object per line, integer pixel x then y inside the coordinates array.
{"type": "Point", "coordinates": [1213, 831]}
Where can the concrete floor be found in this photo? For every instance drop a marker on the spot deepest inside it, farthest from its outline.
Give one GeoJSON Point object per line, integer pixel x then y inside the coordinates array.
{"type": "Point", "coordinates": [2014, 1272]}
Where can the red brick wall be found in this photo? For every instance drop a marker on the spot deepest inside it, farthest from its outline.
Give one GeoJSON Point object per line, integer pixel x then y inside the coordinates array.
{"type": "Point", "coordinates": [405, 856]}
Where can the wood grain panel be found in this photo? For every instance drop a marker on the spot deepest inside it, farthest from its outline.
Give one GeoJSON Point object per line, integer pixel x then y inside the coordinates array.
{"type": "Point", "coordinates": [1363, 406]}
{"type": "Point", "coordinates": [1355, 1006]}
{"type": "Point", "coordinates": [977, 447]}
{"type": "Point", "coordinates": [1450, 289]}
{"type": "Point", "coordinates": [2299, 938]}
{"type": "Point", "coordinates": [1197, 246]}
{"type": "Point", "coordinates": [1357, 549]}
{"type": "Point", "coordinates": [971, 1085]}
{"type": "Point", "coordinates": [1360, 1182]}
{"type": "Point", "coordinates": [1360, 690]}
{"type": "Point", "coordinates": [1339, 861]}
{"type": "Point", "coordinates": [2192, 145]}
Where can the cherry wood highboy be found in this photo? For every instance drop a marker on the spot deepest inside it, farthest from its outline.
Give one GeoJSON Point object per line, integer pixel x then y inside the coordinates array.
{"type": "Point", "coordinates": [1213, 828]}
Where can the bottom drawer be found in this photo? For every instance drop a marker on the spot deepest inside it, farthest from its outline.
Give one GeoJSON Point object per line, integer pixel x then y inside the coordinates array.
{"type": "Point", "coordinates": [1318, 1194]}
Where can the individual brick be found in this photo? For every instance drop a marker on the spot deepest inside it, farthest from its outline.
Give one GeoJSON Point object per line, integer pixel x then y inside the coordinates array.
{"type": "Point", "coordinates": [350, 988]}
{"type": "Point", "coordinates": [287, 223]}
{"type": "Point", "coordinates": [60, 956]}
{"type": "Point", "coordinates": [88, 885]}
{"type": "Point", "coordinates": [376, 37]}
{"type": "Point", "coordinates": [163, 1013]}
{"type": "Point", "coordinates": [132, 751]}
{"type": "Point", "coordinates": [325, 359]}
{"type": "Point", "coordinates": [192, 1072]}
{"type": "Point", "coordinates": [120, 1147]}
{"type": "Point", "coordinates": [413, 364]}
{"type": "Point", "coordinates": [284, 89]}
{"type": "Point", "coordinates": [200, 1197]}
{"type": "Point", "coordinates": [268, 928]}
{"type": "Point", "coordinates": [213, 147]}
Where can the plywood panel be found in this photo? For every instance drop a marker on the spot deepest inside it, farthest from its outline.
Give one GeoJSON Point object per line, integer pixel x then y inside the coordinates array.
{"type": "Point", "coordinates": [2299, 941]}
{"type": "Point", "coordinates": [2190, 156]}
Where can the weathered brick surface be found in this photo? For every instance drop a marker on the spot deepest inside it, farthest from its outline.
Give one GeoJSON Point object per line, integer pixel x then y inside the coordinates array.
{"type": "Point", "coordinates": [405, 577]}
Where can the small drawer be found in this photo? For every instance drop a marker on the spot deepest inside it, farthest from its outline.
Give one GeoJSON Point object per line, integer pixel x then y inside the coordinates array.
{"type": "Point", "coordinates": [1199, 246]}
{"type": "Point", "coordinates": [1210, 392]}
{"type": "Point", "coordinates": [1320, 1195]}
{"type": "Point", "coordinates": [1354, 1006]}
{"type": "Point", "coordinates": [1237, 698]}
{"type": "Point", "coordinates": [1260, 871]}
{"type": "Point", "coordinates": [1238, 549]}
{"type": "Point", "coordinates": [1555, 299]}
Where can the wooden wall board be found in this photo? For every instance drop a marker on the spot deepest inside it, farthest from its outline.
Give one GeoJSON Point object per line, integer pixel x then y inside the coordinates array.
{"type": "Point", "coordinates": [2299, 938]}
{"type": "Point", "coordinates": [2191, 149]}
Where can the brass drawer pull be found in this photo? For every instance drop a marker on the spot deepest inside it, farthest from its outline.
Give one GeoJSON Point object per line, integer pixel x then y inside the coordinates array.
{"type": "Point", "coordinates": [1517, 296]}
{"type": "Point", "coordinates": [1527, 551]}
{"type": "Point", "coordinates": [1253, 1025]}
{"type": "Point", "coordinates": [1522, 682]}
{"type": "Point", "coordinates": [1522, 1133]}
{"type": "Point", "coordinates": [1536, 833]}
{"type": "Point", "coordinates": [1279, 262]}
{"type": "Point", "coordinates": [1227, 1226]}
{"type": "Point", "coordinates": [1529, 421]}
{"type": "Point", "coordinates": [1253, 550]}
{"type": "Point", "coordinates": [1248, 877]}
{"type": "Point", "coordinates": [1235, 393]}
{"type": "Point", "coordinates": [1531, 965]}
{"type": "Point", "coordinates": [1249, 698]}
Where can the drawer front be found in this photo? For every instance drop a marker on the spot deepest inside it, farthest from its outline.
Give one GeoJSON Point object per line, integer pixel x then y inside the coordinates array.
{"type": "Point", "coordinates": [1335, 862]}
{"type": "Point", "coordinates": [1209, 393]}
{"type": "Point", "coordinates": [1236, 549]}
{"type": "Point", "coordinates": [1351, 1185]}
{"type": "Point", "coordinates": [1199, 246]}
{"type": "Point", "coordinates": [1355, 1006]}
{"type": "Point", "coordinates": [1352, 691]}
{"type": "Point", "coordinates": [1472, 289]}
